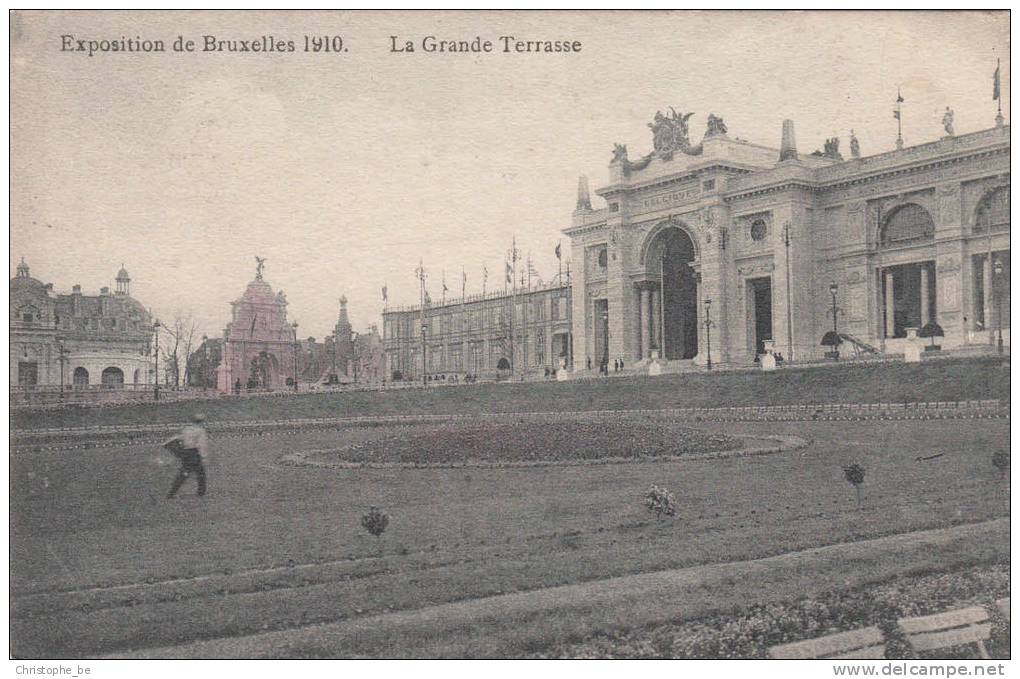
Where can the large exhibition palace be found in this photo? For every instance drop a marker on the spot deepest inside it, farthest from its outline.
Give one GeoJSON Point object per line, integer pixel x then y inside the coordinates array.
{"type": "Point", "coordinates": [731, 249]}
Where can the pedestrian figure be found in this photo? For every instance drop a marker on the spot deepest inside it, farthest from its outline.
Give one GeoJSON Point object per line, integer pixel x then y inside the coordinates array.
{"type": "Point", "coordinates": [191, 447]}
{"type": "Point", "coordinates": [621, 365]}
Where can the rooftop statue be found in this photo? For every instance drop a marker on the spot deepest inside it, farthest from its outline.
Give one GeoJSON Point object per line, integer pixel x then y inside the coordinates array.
{"type": "Point", "coordinates": [619, 153]}
{"type": "Point", "coordinates": [947, 121]}
{"type": "Point", "coordinates": [831, 150]}
{"type": "Point", "coordinates": [855, 146]}
{"type": "Point", "coordinates": [670, 133]}
{"type": "Point", "coordinates": [260, 263]}
{"type": "Point", "coordinates": [716, 126]}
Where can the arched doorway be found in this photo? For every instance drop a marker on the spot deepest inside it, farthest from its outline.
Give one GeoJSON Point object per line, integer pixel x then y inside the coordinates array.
{"type": "Point", "coordinates": [81, 378]}
{"type": "Point", "coordinates": [669, 258]}
{"type": "Point", "coordinates": [264, 371]}
{"type": "Point", "coordinates": [112, 378]}
{"type": "Point", "coordinates": [138, 374]}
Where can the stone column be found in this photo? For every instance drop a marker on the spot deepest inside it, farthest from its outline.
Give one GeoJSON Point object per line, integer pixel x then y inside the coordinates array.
{"type": "Point", "coordinates": [890, 305]}
{"type": "Point", "coordinates": [638, 328]}
{"type": "Point", "coordinates": [656, 321]}
{"type": "Point", "coordinates": [646, 313]}
{"type": "Point", "coordinates": [924, 295]}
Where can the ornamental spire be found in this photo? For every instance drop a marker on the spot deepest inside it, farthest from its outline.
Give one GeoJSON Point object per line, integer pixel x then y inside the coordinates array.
{"type": "Point", "coordinates": [788, 147]}
{"type": "Point", "coordinates": [583, 196]}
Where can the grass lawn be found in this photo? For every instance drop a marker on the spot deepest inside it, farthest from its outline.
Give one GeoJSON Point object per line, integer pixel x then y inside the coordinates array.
{"type": "Point", "coordinates": [276, 547]}
{"type": "Point", "coordinates": [942, 380]}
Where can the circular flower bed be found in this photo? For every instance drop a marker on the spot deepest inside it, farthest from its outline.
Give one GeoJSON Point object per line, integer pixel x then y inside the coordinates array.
{"type": "Point", "coordinates": [536, 441]}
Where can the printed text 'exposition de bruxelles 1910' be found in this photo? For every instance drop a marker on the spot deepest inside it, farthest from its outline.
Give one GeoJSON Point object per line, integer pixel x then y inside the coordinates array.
{"type": "Point", "coordinates": [331, 44]}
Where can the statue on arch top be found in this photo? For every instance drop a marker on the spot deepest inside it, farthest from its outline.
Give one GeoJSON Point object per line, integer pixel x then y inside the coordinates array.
{"type": "Point", "coordinates": [947, 121]}
{"type": "Point", "coordinates": [619, 153]}
{"type": "Point", "coordinates": [260, 263]}
{"type": "Point", "coordinates": [855, 146]}
{"type": "Point", "coordinates": [670, 133]}
{"type": "Point", "coordinates": [716, 126]}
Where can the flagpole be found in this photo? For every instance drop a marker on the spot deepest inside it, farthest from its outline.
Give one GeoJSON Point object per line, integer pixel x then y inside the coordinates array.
{"type": "Point", "coordinates": [421, 277]}
{"type": "Point", "coordinates": [899, 119]}
{"type": "Point", "coordinates": [570, 325]}
{"type": "Point", "coordinates": [997, 92]}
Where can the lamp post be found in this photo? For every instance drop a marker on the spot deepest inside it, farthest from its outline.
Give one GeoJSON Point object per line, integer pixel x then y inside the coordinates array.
{"type": "Point", "coordinates": [789, 296]}
{"type": "Point", "coordinates": [424, 364]}
{"type": "Point", "coordinates": [61, 358]}
{"type": "Point", "coordinates": [355, 354]}
{"type": "Point", "coordinates": [708, 331]}
{"type": "Point", "coordinates": [998, 269]}
{"type": "Point", "coordinates": [205, 363]}
{"type": "Point", "coordinates": [295, 355]}
{"type": "Point", "coordinates": [833, 289]}
{"type": "Point", "coordinates": [155, 393]}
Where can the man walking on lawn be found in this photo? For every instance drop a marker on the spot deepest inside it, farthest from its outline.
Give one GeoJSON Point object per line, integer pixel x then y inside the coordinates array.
{"type": "Point", "coordinates": [191, 447]}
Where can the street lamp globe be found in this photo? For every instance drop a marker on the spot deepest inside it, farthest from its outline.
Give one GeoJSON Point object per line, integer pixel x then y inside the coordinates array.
{"type": "Point", "coordinates": [833, 288]}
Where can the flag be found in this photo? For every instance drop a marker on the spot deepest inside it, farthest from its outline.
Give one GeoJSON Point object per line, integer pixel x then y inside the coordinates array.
{"type": "Point", "coordinates": [559, 254]}
{"type": "Point", "coordinates": [384, 296]}
{"type": "Point", "coordinates": [997, 83]}
{"type": "Point", "coordinates": [899, 97]}
{"type": "Point", "coordinates": [896, 115]}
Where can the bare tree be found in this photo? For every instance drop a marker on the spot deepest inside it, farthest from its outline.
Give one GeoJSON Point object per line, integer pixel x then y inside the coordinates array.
{"type": "Point", "coordinates": [181, 332]}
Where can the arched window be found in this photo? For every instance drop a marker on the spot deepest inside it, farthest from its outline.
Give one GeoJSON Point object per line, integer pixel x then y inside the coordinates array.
{"type": "Point", "coordinates": [113, 378]}
{"type": "Point", "coordinates": [908, 225]}
{"type": "Point", "coordinates": [81, 378]}
{"type": "Point", "coordinates": [993, 211]}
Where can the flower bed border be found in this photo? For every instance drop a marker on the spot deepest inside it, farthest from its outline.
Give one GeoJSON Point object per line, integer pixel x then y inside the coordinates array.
{"type": "Point", "coordinates": [772, 444]}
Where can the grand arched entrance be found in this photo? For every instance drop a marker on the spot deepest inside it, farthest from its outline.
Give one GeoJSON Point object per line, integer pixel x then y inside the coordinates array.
{"type": "Point", "coordinates": [669, 296]}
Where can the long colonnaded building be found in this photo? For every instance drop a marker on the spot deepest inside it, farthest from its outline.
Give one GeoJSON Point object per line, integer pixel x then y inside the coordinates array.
{"type": "Point", "coordinates": [477, 336]}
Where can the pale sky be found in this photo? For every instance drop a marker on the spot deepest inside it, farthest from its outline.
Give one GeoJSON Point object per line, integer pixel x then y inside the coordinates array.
{"type": "Point", "coordinates": [344, 170]}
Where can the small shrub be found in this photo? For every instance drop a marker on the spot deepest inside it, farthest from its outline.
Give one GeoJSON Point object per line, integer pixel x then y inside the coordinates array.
{"type": "Point", "coordinates": [1000, 458]}
{"type": "Point", "coordinates": [854, 474]}
{"type": "Point", "coordinates": [375, 521]}
{"type": "Point", "coordinates": [660, 501]}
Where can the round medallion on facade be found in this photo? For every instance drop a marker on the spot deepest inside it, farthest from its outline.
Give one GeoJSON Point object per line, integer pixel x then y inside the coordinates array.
{"type": "Point", "coordinates": [759, 230]}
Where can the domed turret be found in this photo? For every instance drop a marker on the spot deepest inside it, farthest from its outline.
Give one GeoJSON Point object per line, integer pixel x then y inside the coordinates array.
{"type": "Point", "coordinates": [23, 280]}
{"type": "Point", "coordinates": [123, 282]}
